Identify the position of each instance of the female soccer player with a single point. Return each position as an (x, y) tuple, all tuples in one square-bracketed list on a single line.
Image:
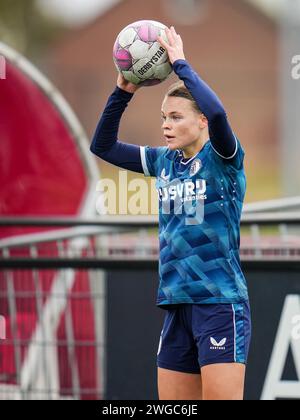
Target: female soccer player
[(201, 182)]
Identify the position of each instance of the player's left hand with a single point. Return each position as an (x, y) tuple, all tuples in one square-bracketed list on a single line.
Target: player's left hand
[(175, 45)]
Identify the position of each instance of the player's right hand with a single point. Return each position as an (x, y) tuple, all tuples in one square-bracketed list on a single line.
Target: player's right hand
[(123, 84)]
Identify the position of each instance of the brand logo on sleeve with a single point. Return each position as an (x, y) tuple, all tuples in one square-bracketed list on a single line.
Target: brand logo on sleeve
[(164, 176)]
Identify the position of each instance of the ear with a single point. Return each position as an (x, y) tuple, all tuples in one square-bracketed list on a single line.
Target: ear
[(203, 121)]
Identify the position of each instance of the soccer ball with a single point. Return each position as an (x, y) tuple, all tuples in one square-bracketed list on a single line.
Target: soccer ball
[(139, 56)]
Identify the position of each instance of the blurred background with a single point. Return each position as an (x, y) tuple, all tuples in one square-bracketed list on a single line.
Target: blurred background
[(236, 46), (54, 282)]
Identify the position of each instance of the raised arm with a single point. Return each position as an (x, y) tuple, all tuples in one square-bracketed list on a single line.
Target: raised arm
[(221, 135), (105, 142)]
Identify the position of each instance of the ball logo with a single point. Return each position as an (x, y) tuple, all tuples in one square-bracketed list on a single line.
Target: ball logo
[(152, 61), (196, 166)]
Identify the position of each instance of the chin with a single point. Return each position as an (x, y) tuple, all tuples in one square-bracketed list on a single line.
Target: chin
[(172, 146)]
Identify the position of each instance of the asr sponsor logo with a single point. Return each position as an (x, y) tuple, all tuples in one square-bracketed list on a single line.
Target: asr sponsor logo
[(178, 197), (188, 190)]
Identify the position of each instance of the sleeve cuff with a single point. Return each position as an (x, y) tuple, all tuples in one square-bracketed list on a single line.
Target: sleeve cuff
[(178, 62), (230, 157), (123, 94), (144, 161)]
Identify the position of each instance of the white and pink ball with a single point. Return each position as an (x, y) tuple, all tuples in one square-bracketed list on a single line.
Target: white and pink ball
[(139, 56)]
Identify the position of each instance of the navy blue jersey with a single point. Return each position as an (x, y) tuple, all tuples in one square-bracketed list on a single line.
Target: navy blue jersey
[(200, 199), (200, 205)]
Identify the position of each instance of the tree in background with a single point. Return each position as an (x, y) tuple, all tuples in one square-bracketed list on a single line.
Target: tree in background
[(26, 28)]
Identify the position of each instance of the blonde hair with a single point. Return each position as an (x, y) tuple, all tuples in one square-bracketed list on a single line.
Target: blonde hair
[(179, 90)]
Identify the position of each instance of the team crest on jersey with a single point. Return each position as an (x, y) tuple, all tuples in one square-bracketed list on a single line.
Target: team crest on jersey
[(195, 167)]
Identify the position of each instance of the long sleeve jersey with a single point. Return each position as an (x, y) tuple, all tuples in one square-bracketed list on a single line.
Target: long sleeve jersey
[(200, 199)]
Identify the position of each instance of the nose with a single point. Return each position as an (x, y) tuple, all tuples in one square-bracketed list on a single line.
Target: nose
[(166, 124)]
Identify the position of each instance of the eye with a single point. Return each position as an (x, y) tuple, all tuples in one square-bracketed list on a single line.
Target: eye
[(174, 117)]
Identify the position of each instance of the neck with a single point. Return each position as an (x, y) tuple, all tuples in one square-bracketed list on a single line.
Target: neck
[(194, 148)]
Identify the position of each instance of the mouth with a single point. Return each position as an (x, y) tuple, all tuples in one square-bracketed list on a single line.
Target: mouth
[(169, 138)]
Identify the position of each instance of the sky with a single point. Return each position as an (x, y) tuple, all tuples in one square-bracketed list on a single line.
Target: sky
[(76, 12)]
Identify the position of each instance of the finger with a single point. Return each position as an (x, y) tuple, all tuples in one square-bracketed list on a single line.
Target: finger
[(162, 42), (173, 31), (169, 41), (170, 36), (180, 39)]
